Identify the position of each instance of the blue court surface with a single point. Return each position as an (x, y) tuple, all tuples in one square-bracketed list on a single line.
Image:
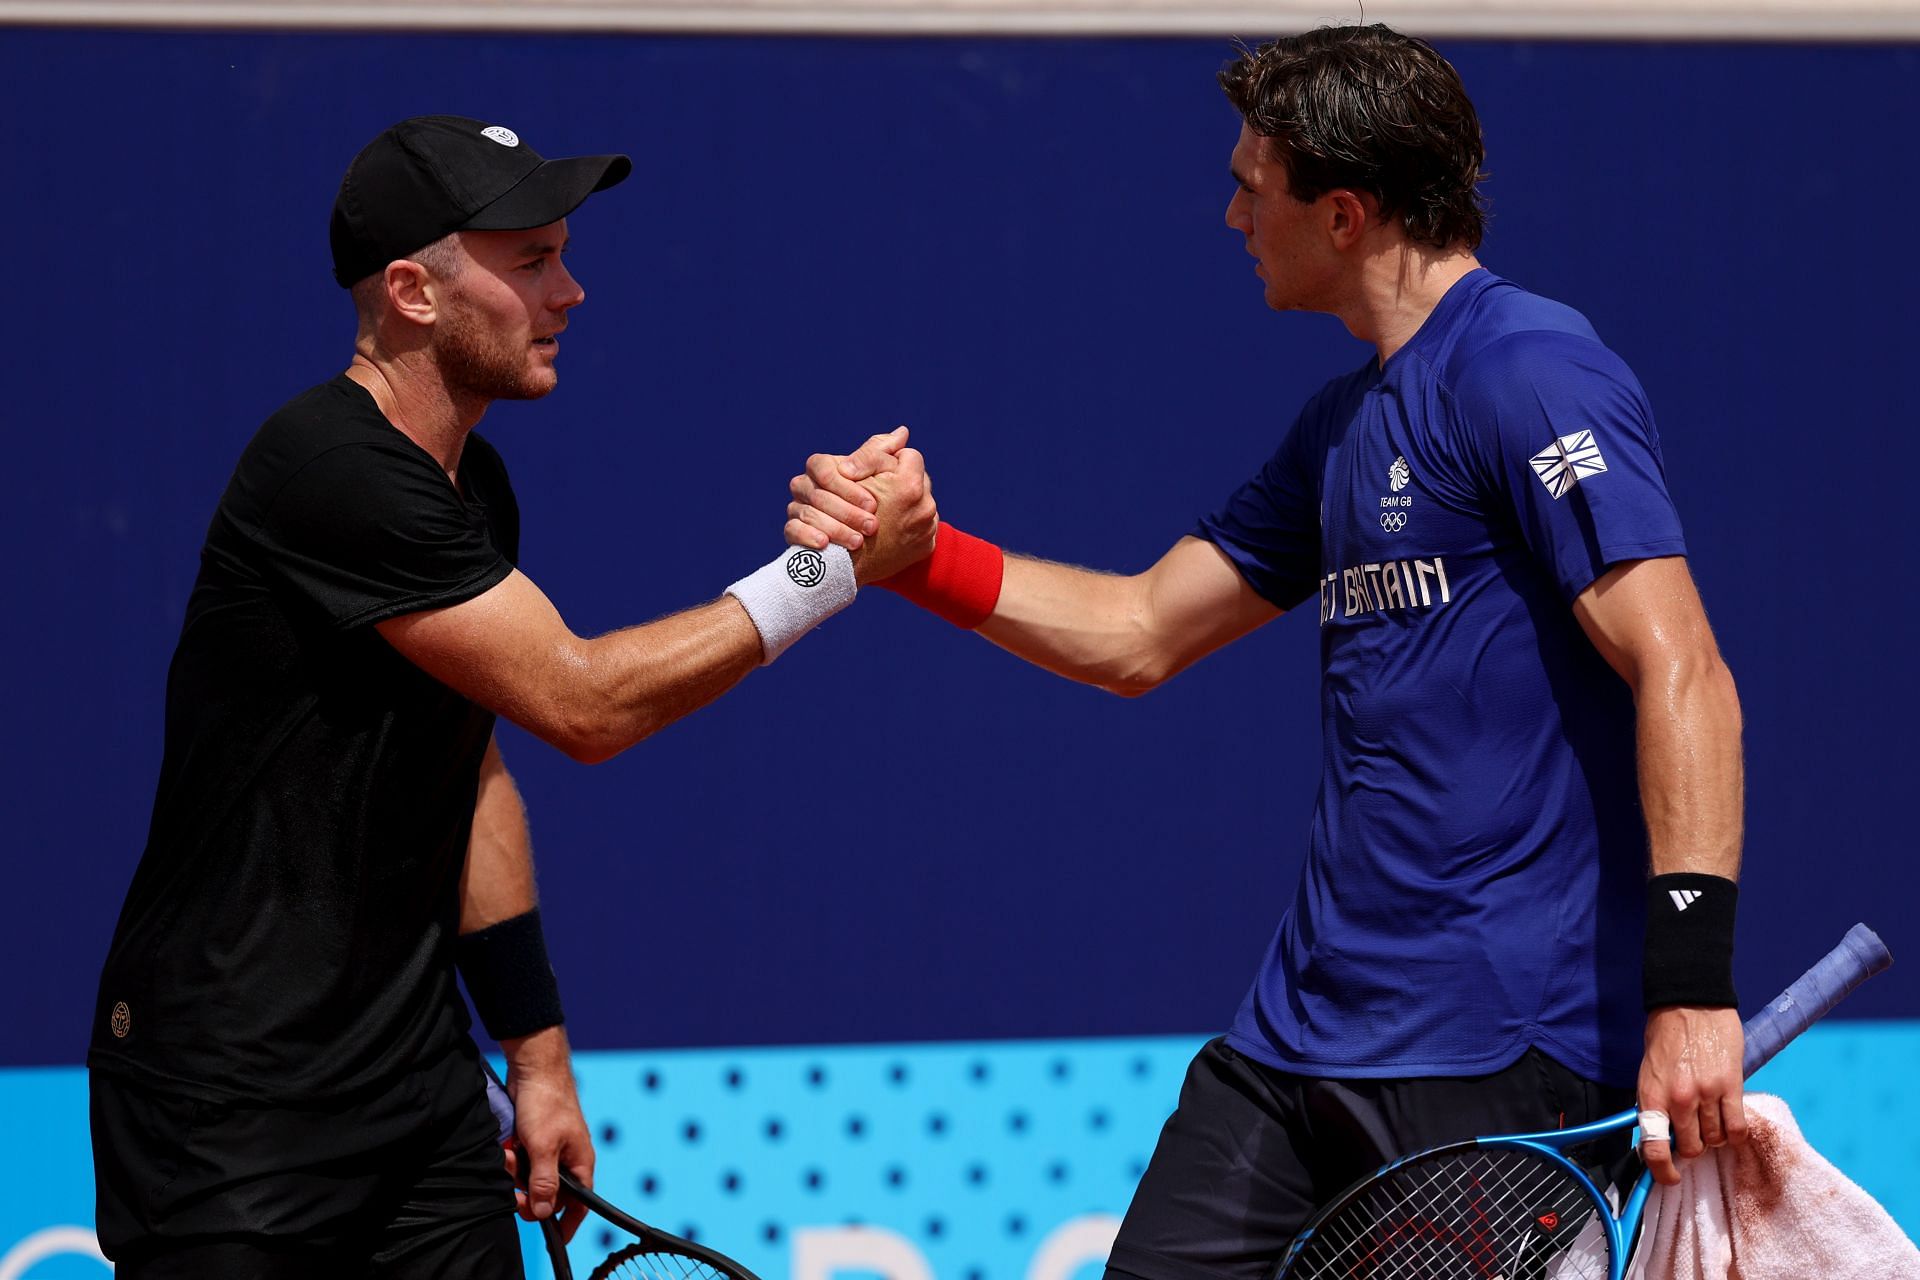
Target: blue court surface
[(966, 1161)]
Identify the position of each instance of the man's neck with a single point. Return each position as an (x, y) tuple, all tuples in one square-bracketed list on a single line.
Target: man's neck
[(1398, 289), (420, 405)]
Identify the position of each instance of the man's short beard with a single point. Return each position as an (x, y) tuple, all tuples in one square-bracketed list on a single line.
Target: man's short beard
[(476, 360)]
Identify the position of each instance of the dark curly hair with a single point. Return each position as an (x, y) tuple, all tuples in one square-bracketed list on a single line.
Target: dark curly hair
[(1368, 108)]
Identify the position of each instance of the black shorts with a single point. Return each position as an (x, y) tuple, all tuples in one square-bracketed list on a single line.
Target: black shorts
[(1251, 1151), (405, 1184)]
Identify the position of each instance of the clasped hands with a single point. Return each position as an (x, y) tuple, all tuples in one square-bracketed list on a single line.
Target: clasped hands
[(877, 502)]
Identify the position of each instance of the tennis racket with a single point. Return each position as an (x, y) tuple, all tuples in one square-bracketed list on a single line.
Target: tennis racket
[(1515, 1207), (654, 1255)]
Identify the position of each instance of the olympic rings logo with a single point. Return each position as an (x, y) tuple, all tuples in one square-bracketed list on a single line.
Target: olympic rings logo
[(1393, 521)]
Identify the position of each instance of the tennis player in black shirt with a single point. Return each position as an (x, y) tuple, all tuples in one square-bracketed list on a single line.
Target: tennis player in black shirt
[(282, 1078)]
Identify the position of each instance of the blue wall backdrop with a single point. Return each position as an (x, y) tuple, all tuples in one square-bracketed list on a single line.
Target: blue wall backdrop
[(898, 833)]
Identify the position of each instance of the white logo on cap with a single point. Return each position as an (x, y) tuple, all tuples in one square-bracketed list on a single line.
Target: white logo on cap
[(501, 134)]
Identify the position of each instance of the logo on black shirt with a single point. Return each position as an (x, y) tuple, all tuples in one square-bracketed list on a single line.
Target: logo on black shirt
[(806, 568), (122, 1020)]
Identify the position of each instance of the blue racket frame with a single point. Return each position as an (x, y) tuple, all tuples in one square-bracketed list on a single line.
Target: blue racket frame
[(1619, 1229)]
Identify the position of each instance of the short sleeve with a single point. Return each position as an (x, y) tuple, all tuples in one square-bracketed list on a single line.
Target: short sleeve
[(1570, 445), (1270, 526), (368, 532)]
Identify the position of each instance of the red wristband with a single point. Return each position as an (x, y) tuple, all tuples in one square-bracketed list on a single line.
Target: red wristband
[(960, 581)]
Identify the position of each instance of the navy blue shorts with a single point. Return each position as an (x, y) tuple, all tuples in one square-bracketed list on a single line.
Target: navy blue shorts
[(1252, 1151), (405, 1184)]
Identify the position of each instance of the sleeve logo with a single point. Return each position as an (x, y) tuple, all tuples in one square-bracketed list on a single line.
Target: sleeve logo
[(1567, 461)]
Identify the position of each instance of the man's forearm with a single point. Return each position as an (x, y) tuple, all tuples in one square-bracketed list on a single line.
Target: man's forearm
[(1078, 623), (502, 951), (1125, 634), (510, 651), (1691, 773), (637, 681), (1691, 791), (497, 882)]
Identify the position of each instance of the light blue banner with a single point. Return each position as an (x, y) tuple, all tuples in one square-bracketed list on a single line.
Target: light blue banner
[(986, 1161)]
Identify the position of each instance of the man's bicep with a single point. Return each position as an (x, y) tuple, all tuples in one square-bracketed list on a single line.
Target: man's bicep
[(1646, 619), (501, 649), (1200, 601), (1643, 612)]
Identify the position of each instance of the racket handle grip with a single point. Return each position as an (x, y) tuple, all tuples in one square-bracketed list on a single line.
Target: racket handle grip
[(1859, 956), (499, 1103)]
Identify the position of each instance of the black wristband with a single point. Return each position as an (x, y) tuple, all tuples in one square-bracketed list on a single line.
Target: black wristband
[(1689, 953), (509, 977)]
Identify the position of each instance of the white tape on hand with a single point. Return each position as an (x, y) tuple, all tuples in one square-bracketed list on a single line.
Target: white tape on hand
[(794, 594), (1655, 1126)]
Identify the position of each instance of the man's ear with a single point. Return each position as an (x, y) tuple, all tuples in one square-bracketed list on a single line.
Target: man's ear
[(412, 291), (1349, 214)]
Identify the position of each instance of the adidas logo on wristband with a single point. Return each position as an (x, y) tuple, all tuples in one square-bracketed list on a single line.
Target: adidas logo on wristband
[(1683, 898)]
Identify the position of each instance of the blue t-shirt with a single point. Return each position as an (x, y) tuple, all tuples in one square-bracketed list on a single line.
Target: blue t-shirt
[(1473, 882)]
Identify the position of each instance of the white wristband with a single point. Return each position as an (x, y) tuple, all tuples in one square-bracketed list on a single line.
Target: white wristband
[(794, 594)]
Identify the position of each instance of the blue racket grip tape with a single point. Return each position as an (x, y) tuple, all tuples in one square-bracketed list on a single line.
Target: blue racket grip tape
[(499, 1103), (1859, 956)]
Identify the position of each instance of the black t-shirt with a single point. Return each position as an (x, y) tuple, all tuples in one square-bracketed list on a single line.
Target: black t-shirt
[(289, 932)]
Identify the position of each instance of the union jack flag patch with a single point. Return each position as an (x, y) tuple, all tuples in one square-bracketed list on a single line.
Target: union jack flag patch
[(1562, 464)]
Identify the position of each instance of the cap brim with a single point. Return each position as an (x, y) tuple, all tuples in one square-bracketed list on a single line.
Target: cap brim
[(550, 193)]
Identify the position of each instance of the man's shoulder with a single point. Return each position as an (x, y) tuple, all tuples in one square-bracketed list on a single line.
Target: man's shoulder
[(1515, 343), (335, 418), (332, 448), (335, 412)]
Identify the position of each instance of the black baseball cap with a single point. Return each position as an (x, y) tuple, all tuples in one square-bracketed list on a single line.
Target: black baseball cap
[(430, 176)]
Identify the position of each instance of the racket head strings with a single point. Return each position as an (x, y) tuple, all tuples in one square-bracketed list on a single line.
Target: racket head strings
[(651, 1262), (1470, 1212)]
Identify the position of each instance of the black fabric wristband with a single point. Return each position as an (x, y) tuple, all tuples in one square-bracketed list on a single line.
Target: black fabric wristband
[(1689, 953), (509, 978)]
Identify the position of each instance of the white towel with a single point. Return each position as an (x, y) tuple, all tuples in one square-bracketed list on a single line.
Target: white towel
[(1773, 1209)]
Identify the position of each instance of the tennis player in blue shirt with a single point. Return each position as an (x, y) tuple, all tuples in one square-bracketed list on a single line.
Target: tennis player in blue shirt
[(1520, 693)]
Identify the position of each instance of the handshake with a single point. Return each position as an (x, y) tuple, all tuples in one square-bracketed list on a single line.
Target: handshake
[(868, 518), (877, 502)]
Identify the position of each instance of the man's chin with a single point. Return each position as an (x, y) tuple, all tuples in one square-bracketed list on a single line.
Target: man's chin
[(534, 388)]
